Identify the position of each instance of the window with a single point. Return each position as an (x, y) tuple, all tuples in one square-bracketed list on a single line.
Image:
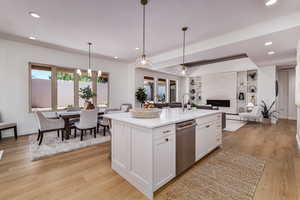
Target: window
[(173, 91), (65, 88), (161, 90), (56, 88), (41, 88), (149, 87), (102, 91), (84, 81)]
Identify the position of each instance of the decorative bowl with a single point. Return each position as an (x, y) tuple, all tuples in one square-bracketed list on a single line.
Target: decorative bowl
[(145, 113)]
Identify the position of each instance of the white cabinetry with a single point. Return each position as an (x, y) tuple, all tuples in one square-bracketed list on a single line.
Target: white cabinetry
[(208, 135), (144, 157), (164, 160)]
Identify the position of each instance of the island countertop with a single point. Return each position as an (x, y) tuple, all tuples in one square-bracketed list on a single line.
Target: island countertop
[(167, 116)]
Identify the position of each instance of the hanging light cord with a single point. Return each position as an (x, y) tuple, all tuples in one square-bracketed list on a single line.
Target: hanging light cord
[(183, 48), (90, 55), (144, 27), (184, 29)]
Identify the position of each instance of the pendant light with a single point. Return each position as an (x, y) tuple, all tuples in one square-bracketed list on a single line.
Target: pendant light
[(89, 69), (142, 60), (184, 68)]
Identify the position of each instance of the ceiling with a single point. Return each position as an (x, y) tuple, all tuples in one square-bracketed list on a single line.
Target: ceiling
[(114, 26), (284, 45)]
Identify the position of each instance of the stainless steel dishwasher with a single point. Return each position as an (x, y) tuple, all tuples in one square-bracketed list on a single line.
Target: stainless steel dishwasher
[(185, 145)]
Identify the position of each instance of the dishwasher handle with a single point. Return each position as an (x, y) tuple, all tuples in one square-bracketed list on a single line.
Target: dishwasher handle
[(184, 127)]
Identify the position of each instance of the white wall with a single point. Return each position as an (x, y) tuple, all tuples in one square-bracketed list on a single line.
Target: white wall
[(292, 108), (221, 86), (297, 99), (14, 58), (139, 80), (266, 85)]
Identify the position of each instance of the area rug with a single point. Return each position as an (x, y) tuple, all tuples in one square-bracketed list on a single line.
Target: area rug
[(1, 153), (234, 125), (53, 145), (227, 175)]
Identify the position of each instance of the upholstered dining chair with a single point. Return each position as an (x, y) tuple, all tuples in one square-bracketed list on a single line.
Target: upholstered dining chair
[(6, 126), (88, 121), (105, 123), (48, 125)]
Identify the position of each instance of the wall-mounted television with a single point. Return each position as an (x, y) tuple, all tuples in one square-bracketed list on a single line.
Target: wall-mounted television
[(218, 103)]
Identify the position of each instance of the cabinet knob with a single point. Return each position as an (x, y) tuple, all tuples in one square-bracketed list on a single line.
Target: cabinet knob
[(207, 126), (167, 139)]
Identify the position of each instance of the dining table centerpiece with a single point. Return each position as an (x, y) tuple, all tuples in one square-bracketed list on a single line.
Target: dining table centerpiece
[(87, 94)]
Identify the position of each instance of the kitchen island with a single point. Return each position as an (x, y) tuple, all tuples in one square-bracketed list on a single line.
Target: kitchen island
[(146, 151)]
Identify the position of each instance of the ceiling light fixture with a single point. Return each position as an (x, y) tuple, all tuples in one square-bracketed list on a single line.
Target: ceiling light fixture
[(142, 60), (270, 2), (137, 48), (271, 52), (34, 15), (268, 43), (184, 68), (32, 38), (116, 57)]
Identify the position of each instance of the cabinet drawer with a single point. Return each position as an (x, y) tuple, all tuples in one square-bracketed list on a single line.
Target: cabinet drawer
[(204, 120), (164, 131)]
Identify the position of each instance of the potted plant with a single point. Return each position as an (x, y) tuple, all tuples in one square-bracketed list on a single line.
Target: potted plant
[(86, 94), (267, 114), (141, 96)]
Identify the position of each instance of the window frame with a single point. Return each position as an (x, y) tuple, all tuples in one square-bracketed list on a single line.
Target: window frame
[(54, 99)]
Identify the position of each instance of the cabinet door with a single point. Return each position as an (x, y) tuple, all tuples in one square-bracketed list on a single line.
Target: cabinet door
[(206, 139), (164, 160), (201, 141)]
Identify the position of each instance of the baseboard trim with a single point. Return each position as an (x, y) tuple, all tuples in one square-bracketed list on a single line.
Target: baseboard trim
[(8, 133), (298, 140), (1, 153)]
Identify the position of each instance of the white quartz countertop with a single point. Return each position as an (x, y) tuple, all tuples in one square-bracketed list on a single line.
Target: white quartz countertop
[(167, 116)]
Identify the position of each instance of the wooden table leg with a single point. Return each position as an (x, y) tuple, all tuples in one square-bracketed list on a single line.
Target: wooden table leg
[(67, 128), (15, 132)]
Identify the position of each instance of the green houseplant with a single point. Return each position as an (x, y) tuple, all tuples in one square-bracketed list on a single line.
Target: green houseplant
[(141, 95), (86, 94)]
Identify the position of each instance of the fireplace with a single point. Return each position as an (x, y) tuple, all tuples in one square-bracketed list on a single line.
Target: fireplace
[(218, 103)]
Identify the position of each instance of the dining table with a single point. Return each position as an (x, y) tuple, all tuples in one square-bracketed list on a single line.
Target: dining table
[(68, 116)]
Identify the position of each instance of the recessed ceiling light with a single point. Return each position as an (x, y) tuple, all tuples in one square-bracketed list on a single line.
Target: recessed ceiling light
[(268, 43), (32, 38), (271, 52), (270, 2), (116, 57), (35, 15), (137, 48)]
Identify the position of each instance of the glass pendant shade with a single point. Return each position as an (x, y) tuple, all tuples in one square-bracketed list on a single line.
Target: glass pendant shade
[(99, 73), (142, 61), (89, 72), (78, 71)]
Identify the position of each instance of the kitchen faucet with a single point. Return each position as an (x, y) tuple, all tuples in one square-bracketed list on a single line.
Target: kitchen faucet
[(182, 100)]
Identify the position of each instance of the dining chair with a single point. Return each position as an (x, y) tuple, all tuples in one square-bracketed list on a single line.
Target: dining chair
[(105, 123), (88, 121), (6, 126), (48, 125)]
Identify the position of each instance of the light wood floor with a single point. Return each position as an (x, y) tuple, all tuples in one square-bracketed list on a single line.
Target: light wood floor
[(85, 174)]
